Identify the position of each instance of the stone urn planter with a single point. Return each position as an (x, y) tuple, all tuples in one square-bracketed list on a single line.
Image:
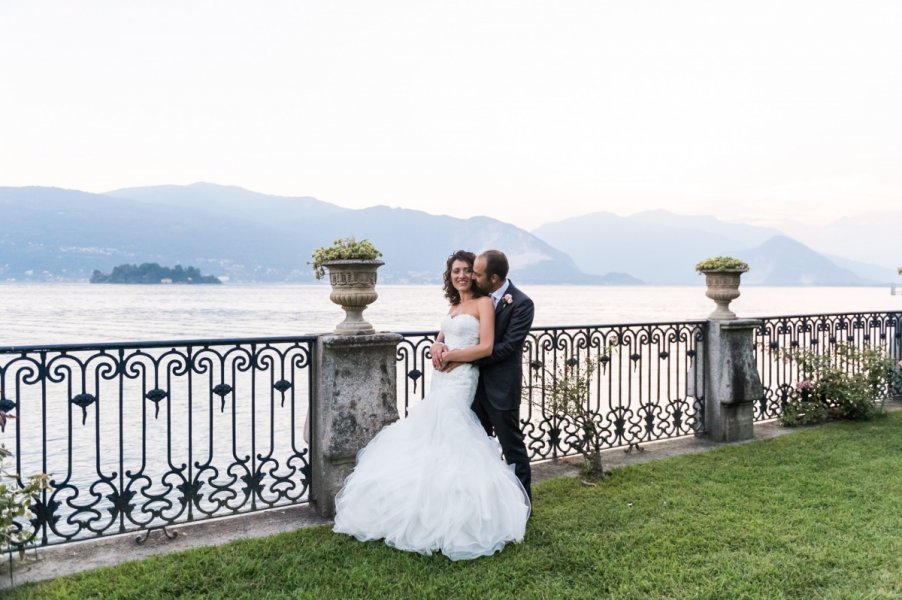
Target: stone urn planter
[(722, 275), (353, 288), (352, 272)]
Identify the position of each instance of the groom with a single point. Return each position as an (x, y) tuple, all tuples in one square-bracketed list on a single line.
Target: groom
[(498, 393)]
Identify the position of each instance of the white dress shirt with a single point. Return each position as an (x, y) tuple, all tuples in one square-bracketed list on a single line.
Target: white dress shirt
[(499, 293)]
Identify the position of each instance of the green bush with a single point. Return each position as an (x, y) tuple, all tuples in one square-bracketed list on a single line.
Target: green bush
[(722, 263), (342, 249), (15, 504), (847, 383)]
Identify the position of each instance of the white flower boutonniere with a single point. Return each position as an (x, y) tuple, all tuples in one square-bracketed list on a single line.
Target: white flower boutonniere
[(507, 298)]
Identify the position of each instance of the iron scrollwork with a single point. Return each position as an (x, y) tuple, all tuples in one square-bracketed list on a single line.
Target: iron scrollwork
[(778, 337), (143, 436), (643, 390)]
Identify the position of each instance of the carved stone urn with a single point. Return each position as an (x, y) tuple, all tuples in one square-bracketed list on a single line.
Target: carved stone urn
[(723, 288), (353, 288)]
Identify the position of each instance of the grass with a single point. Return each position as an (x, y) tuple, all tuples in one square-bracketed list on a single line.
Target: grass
[(816, 514)]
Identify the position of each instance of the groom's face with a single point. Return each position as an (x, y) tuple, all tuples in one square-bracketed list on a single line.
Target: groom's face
[(481, 281)]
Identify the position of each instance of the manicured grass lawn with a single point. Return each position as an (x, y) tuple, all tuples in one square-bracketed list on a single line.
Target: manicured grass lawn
[(815, 514)]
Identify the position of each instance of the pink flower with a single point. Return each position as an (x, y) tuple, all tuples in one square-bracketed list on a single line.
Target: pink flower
[(507, 298), (805, 384)]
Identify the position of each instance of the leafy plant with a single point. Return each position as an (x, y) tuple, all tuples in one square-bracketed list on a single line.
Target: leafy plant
[(15, 503), (847, 383), (342, 249), (722, 263), (565, 398)]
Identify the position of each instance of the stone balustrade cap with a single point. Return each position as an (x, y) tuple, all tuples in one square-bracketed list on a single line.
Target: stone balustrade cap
[(367, 339), (737, 323)]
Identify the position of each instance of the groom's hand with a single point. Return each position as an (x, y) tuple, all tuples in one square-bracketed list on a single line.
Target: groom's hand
[(438, 350), (448, 367)]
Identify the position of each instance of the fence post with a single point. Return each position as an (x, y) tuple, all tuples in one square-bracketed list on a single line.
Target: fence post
[(354, 397), (732, 383)]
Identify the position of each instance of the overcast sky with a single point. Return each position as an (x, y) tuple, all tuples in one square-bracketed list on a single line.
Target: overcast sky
[(528, 111)]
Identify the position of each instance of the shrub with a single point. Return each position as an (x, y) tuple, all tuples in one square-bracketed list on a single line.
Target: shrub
[(722, 263), (15, 504), (565, 392), (847, 383), (342, 249)]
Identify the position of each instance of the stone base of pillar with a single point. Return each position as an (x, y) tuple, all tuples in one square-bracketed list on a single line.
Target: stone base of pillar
[(736, 422), (354, 397), (732, 384)]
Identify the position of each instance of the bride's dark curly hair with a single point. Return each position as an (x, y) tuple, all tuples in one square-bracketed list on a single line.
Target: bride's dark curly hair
[(450, 293)]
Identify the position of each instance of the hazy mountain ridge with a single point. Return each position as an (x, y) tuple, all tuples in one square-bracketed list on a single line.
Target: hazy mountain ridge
[(871, 239), (784, 261), (55, 234), (660, 247)]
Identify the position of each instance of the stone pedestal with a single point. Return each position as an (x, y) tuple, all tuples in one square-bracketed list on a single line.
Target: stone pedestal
[(354, 397), (732, 384)]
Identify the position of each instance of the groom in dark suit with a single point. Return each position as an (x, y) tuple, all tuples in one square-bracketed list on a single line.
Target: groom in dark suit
[(498, 393)]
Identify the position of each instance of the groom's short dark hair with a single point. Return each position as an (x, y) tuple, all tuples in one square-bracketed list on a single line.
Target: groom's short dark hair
[(496, 263)]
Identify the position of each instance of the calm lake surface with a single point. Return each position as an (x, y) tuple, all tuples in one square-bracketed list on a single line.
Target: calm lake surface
[(51, 313), (126, 435)]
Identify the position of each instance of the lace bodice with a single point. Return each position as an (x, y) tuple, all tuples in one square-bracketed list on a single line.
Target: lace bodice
[(460, 331)]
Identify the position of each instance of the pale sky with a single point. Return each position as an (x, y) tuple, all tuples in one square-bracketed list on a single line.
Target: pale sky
[(528, 111)]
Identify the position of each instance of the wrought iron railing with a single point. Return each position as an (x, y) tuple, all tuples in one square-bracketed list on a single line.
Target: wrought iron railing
[(779, 337), (141, 436), (645, 387)]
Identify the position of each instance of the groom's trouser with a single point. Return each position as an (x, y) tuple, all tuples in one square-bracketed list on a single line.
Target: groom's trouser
[(506, 426)]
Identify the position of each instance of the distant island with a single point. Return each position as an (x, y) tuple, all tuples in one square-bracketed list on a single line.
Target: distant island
[(153, 273)]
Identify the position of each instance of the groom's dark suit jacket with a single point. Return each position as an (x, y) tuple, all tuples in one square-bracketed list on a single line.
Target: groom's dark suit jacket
[(502, 372)]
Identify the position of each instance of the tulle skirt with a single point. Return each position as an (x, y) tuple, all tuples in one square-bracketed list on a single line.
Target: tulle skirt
[(435, 481)]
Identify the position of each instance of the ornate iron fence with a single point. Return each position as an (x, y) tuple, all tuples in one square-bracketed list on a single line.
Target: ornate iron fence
[(644, 387), (141, 436), (778, 337)]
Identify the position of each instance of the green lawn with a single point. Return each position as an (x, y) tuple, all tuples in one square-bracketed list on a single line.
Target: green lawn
[(815, 514)]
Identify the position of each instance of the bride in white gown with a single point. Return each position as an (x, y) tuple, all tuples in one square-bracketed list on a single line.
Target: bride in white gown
[(435, 481)]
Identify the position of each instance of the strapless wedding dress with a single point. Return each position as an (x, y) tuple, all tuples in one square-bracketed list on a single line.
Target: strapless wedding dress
[(435, 481)]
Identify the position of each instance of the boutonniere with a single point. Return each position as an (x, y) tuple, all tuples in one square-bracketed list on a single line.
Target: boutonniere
[(507, 299)]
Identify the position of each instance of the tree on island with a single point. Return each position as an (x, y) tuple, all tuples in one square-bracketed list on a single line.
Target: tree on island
[(153, 273)]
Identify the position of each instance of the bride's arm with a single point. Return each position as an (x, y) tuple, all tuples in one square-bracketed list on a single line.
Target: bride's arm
[(486, 336)]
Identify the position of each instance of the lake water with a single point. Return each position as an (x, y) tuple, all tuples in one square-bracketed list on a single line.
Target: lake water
[(82, 312), (125, 435)]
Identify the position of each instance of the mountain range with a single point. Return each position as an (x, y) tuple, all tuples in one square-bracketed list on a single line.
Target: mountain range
[(52, 234), (663, 248)]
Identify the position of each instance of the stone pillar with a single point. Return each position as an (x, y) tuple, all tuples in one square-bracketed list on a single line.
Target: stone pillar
[(354, 397), (732, 384)]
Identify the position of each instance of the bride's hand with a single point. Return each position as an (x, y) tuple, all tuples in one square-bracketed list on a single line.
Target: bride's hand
[(438, 350)]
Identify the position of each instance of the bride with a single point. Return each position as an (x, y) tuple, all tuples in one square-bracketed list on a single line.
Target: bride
[(435, 481)]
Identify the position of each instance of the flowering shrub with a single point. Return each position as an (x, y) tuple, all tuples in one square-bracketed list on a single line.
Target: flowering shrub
[(847, 383)]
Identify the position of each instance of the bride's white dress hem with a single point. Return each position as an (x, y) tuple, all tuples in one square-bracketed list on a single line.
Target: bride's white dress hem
[(435, 482)]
